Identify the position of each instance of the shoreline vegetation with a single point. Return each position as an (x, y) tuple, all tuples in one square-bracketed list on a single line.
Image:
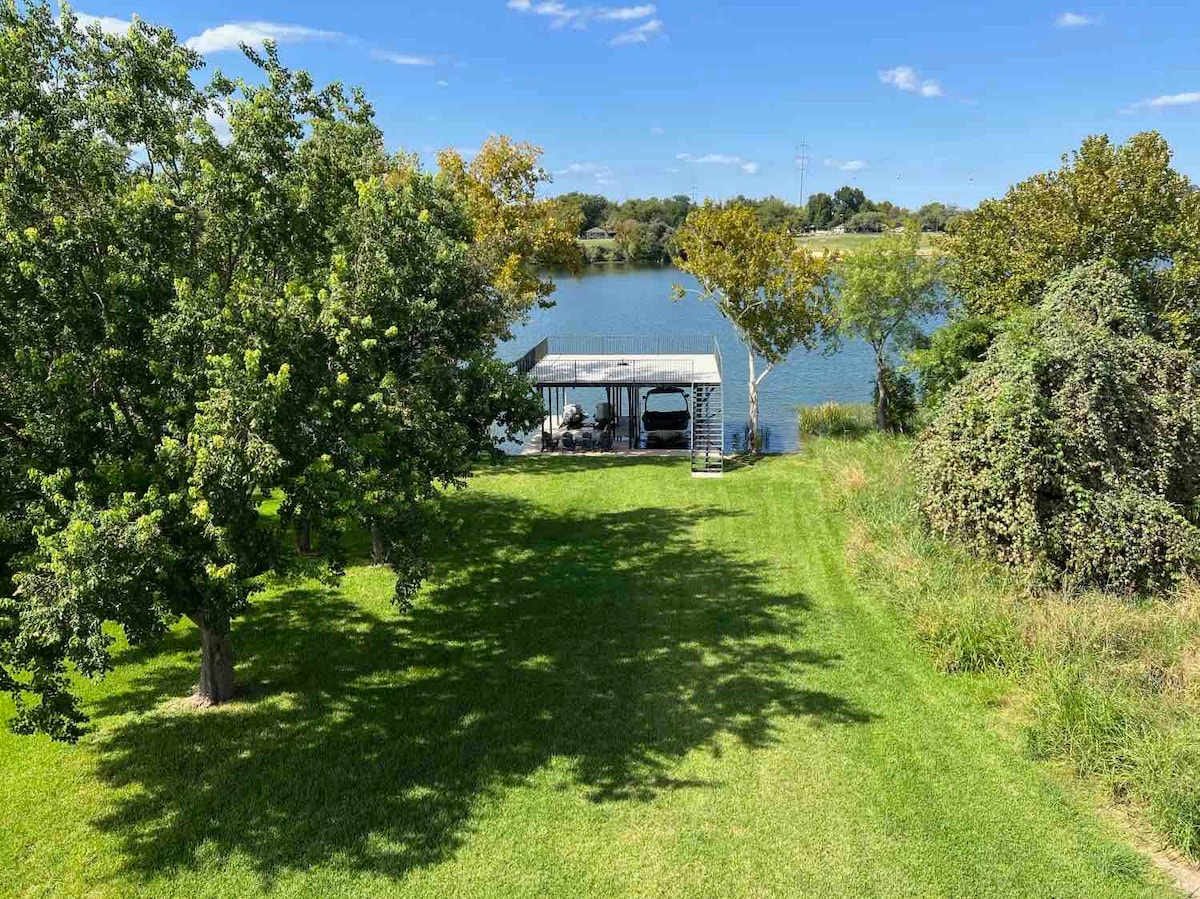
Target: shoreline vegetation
[(606, 251), (643, 229)]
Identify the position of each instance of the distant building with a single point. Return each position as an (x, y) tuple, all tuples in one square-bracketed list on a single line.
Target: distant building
[(597, 234), (840, 229)]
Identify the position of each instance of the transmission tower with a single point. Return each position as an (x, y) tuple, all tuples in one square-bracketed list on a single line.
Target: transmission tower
[(802, 168)]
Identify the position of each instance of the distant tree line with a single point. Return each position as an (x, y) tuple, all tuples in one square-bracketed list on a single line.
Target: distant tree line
[(643, 229)]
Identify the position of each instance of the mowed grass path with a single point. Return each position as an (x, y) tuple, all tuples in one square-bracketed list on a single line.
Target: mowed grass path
[(619, 681)]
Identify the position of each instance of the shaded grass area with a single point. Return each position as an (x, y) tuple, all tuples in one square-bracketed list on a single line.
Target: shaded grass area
[(1107, 684), (618, 680)]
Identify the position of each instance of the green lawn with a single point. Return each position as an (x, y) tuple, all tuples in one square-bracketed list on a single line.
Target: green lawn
[(619, 681), (846, 243)]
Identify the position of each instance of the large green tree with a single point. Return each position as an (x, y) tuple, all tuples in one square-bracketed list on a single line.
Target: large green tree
[(883, 291), (847, 202), (189, 325), (1123, 203), (819, 210), (768, 288), (593, 209)]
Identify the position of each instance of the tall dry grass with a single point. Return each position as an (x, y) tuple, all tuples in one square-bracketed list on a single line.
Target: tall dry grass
[(1111, 683)]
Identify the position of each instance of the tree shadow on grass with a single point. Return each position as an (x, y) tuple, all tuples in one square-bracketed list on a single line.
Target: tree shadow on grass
[(613, 642), (570, 463)]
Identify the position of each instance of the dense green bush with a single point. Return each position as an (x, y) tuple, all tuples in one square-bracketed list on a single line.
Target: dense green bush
[(1074, 447), (942, 360), (901, 408)]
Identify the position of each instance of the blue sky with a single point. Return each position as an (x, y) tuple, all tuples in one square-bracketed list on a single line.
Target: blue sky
[(946, 101)]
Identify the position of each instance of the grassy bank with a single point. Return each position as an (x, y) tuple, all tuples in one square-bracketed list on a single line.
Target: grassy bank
[(822, 242), (1107, 685), (827, 241), (618, 681)]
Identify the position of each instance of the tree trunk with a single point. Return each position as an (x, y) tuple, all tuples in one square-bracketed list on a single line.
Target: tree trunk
[(752, 442), (216, 664), (304, 535), (881, 396), (379, 552)]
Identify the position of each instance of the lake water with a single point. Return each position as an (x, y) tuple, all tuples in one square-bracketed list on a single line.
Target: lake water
[(621, 300)]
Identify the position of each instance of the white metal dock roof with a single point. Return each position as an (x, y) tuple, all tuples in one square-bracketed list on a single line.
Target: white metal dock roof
[(604, 361), (566, 368)]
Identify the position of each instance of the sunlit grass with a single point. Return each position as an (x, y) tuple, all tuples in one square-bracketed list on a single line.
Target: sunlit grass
[(619, 680), (827, 241)]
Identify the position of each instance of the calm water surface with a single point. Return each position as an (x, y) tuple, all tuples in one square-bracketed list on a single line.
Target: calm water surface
[(619, 300)]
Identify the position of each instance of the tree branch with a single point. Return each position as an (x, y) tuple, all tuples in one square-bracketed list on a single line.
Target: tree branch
[(14, 433)]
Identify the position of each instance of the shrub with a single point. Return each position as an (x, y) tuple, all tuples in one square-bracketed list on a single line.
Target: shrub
[(945, 356), (901, 408), (1074, 447), (744, 439), (835, 419)]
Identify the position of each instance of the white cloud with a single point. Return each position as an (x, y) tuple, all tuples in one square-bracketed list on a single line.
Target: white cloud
[(603, 174), (1075, 20), (232, 35), (639, 35), (745, 165), (906, 79), (401, 59), (657, 130), (215, 116), (108, 24), (442, 82), (1166, 101), (627, 13), (846, 165), (585, 168), (562, 15), (1174, 100)]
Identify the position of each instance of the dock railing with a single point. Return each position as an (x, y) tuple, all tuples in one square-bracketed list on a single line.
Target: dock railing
[(526, 363), (621, 345)]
